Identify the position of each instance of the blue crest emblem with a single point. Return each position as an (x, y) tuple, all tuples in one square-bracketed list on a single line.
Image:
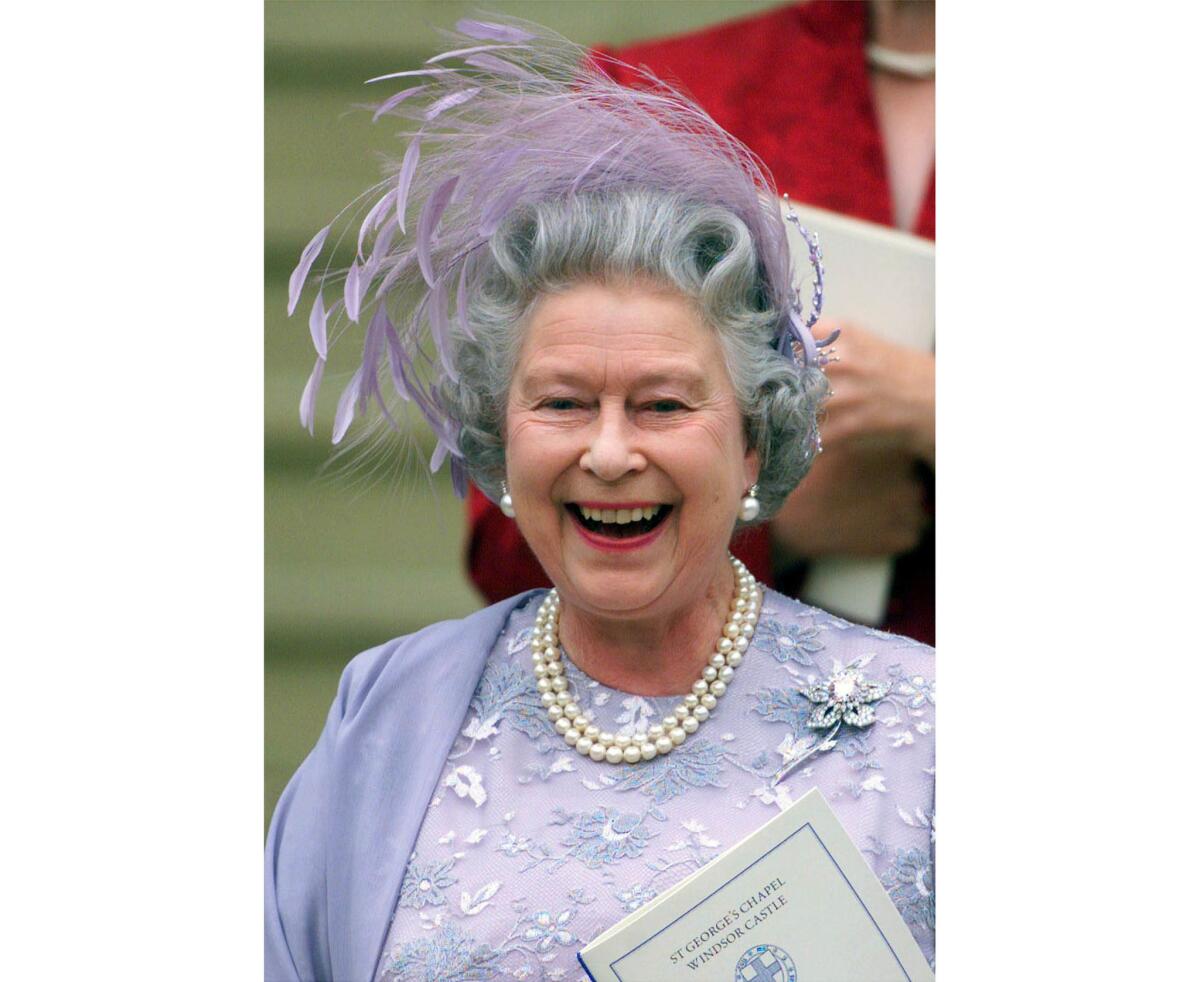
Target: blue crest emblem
[(765, 963)]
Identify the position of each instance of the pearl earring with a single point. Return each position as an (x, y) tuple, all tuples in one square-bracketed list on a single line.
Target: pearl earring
[(750, 507), (506, 504)]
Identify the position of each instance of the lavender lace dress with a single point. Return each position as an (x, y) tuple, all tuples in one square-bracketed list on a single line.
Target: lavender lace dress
[(529, 850)]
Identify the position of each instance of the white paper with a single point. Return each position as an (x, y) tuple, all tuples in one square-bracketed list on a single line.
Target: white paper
[(793, 901), (880, 279)]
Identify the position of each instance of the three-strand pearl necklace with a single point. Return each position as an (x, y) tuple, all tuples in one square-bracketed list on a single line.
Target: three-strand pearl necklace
[(587, 738)]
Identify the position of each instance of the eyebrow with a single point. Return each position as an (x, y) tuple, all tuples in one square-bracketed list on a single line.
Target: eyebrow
[(693, 383)]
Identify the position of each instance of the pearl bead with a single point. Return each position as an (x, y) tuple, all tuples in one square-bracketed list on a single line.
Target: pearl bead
[(660, 738)]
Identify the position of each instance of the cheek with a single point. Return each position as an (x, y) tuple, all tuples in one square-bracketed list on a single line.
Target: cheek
[(711, 452)]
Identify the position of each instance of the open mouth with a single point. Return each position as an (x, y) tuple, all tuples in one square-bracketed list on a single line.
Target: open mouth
[(619, 523)]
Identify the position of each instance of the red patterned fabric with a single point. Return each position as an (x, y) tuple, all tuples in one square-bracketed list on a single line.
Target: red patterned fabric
[(793, 85)]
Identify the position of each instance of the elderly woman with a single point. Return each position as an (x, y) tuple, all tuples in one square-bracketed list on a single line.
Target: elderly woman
[(594, 310)]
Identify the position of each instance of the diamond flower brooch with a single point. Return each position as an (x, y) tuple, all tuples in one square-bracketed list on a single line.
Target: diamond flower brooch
[(845, 697)]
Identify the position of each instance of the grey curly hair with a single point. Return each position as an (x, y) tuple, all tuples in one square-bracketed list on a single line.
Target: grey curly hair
[(702, 250)]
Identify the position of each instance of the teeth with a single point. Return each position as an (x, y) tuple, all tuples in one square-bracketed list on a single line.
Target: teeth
[(622, 516)]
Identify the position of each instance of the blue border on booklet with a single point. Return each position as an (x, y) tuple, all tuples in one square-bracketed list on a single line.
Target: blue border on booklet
[(807, 825)]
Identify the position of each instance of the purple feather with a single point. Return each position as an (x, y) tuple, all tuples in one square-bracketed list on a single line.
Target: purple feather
[(431, 214), (373, 348), (461, 299), (407, 169), (345, 406), (499, 66), (379, 251), (353, 291), (393, 101), (458, 477), (488, 31), (415, 71), (439, 456), (498, 210), (439, 327), (372, 219), (308, 401), (316, 326), (300, 273), (449, 101), (459, 52), (578, 182), (396, 357)]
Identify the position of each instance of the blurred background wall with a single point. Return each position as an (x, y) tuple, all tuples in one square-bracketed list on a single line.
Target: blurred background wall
[(354, 558)]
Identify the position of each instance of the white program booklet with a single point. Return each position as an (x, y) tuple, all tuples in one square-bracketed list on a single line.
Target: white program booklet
[(792, 902), (882, 280)]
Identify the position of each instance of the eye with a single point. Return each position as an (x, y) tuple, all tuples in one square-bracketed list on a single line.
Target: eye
[(560, 404), (665, 406)]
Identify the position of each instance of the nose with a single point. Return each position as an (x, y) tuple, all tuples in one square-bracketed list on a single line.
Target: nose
[(612, 451)]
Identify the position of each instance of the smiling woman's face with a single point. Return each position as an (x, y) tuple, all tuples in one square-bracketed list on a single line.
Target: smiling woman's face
[(621, 404)]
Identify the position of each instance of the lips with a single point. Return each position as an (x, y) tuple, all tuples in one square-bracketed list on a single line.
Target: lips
[(620, 523)]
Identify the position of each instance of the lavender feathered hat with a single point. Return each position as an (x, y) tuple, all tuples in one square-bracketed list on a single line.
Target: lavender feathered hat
[(510, 115)]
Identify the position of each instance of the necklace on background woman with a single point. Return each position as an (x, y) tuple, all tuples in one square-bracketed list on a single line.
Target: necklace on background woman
[(587, 738)]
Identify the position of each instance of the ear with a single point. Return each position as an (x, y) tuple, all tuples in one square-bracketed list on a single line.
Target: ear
[(750, 468)]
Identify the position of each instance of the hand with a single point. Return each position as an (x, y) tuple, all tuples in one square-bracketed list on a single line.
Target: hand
[(857, 500), (883, 395)]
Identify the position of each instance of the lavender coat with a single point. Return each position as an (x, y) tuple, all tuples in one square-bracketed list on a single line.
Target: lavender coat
[(346, 823)]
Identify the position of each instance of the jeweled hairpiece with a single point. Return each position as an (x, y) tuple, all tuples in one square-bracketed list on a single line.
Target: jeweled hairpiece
[(512, 115)]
